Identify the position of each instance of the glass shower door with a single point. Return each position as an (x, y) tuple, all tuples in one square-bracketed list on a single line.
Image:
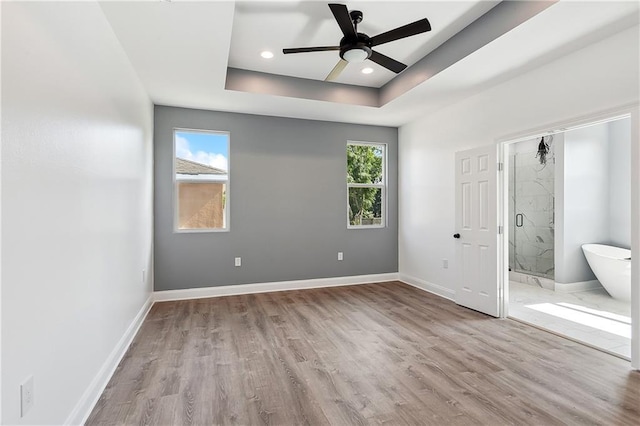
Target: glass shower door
[(532, 215)]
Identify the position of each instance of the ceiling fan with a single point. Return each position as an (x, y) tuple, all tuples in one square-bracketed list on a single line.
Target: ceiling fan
[(357, 47)]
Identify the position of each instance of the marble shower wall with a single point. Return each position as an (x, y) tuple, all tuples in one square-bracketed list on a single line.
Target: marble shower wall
[(531, 194)]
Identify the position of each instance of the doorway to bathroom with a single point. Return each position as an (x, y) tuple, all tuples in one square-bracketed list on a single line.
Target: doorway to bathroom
[(569, 230)]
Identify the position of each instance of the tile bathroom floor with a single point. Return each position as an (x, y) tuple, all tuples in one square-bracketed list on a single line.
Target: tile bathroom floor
[(592, 317)]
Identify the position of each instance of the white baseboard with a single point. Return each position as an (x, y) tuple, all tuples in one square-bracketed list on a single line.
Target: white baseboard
[(234, 290), (430, 287), (577, 286), (87, 402)]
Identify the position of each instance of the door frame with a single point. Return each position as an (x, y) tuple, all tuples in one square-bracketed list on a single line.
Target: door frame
[(629, 110)]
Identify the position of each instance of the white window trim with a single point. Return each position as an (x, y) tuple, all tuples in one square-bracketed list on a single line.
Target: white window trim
[(382, 186), (227, 216)]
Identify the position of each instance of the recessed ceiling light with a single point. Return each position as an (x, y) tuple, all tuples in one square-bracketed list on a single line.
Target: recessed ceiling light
[(367, 70), (266, 54)]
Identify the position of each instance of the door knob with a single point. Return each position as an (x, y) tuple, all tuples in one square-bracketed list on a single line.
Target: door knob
[(456, 235)]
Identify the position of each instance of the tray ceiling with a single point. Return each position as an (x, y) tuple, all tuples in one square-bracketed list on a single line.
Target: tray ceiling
[(272, 26)]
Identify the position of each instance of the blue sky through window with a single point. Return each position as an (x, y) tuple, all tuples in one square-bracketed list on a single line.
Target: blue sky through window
[(211, 149)]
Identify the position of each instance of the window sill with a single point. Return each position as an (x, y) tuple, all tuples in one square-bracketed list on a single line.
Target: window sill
[(199, 231), (366, 226)]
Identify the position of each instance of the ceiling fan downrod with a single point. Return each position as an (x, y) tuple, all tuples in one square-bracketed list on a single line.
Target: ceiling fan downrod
[(356, 18)]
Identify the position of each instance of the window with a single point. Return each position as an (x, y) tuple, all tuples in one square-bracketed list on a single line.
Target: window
[(366, 184), (201, 173)]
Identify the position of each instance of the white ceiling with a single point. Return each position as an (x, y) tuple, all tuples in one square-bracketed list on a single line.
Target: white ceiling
[(181, 51), (272, 26)]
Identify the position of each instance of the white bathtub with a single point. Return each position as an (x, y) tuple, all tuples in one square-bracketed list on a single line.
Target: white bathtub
[(612, 266)]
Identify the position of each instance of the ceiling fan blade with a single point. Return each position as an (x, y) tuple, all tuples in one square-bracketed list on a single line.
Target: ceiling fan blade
[(341, 13), (337, 70), (387, 62), (421, 26), (310, 49)]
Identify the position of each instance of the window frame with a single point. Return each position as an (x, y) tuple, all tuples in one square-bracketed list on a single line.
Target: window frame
[(382, 185), (227, 182)]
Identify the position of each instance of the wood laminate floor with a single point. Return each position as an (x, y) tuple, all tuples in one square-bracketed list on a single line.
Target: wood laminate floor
[(368, 354)]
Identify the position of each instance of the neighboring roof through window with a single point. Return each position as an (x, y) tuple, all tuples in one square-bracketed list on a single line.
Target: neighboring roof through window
[(187, 167)]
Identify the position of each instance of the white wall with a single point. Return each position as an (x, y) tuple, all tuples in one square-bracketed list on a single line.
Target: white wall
[(76, 203), (600, 77), (0, 224), (635, 237)]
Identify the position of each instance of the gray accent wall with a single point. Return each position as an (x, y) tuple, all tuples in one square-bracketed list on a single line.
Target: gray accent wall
[(288, 213)]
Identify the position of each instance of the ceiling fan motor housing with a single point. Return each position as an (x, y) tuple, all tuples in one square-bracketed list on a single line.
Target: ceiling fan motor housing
[(362, 43)]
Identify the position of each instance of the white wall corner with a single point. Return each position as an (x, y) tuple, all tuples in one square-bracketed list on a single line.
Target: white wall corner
[(436, 289), (90, 397), (234, 290)]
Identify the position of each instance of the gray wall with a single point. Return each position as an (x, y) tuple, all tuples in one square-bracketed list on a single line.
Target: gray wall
[(287, 199), (594, 196), (585, 199), (620, 183)]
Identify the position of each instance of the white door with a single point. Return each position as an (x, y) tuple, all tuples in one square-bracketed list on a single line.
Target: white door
[(476, 233)]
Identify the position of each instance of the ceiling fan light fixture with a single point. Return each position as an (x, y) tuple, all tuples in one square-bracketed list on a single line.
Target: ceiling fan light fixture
[(367, 70), (266, 54), (357, 54)]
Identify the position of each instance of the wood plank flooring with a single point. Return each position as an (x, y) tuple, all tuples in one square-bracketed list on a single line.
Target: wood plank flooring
[(369, 354)]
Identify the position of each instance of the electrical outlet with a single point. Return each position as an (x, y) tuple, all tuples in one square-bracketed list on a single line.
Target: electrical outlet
[(238, 261), (445, 263), (340, 256), (26, 396)]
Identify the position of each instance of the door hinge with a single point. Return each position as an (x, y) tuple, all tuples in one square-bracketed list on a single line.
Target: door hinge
[(500, 166), (500, 229)]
